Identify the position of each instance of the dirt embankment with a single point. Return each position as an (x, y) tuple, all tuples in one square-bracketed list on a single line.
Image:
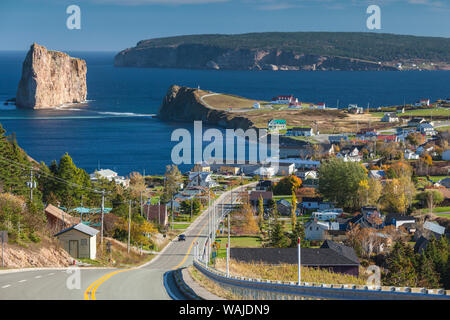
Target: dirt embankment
[(47, 253)]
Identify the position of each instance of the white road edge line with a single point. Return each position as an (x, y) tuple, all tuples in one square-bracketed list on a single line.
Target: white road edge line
[(37, 277), (8, 285), (22, 280), (50, 274)]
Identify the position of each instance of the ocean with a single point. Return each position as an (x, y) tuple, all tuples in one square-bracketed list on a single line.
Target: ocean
[(117, 130)]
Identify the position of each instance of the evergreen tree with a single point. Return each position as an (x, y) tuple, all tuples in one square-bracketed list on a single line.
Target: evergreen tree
[(428, 277), (277, 237), (298, 232), (401, 266)]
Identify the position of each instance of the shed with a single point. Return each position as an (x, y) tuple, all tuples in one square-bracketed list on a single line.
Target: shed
[(80, 241)]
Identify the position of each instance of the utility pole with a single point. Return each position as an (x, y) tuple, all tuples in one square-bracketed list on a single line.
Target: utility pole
[(103, 211), (192, 202), (31, 184), (171, 208), (299, 262), (129, 226), (228, 246), (159, 212), (142, 206)]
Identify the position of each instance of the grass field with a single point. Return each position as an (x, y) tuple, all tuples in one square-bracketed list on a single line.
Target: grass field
[(447, 216), (442, 129), (443, 112), (436, 210), (237, 242), (181, 226), (287, 272), (225, 101)]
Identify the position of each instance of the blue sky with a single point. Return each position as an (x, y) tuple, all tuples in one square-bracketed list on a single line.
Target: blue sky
[(112, 25)]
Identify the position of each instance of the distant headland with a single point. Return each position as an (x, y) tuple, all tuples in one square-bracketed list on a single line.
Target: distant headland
[(315, 51)]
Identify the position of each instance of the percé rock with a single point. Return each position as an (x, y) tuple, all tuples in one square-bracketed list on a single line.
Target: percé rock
[(50, 79), (183, 104)]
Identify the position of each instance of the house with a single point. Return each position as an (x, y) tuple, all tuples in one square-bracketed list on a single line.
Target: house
[(426, 129), (156, 213), (337, 138), (377, 174), (285, 100), (387, 137), (276, 124), (423, 102), (309, 174), (285, 169), (333, 257), (315, 230), (315, 203), (256, 195), (256, 105), (264, 172), (110, 176), (398, 220), (58, 220), (299, 131), (409, 155), (201, 167), (353, 108), (321, 105), (446, 155), (415, 122), (445, 182), (229, 170), (79, 240), (433, 228), (284, 208), (264, 185), (390, 117), (203, 179), (325, 215), (350, 154)]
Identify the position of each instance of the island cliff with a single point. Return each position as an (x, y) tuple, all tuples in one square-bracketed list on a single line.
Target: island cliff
[(315, 51), (184, 104), (50, 79)]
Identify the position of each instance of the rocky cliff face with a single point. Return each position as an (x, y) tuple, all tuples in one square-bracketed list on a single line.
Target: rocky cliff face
[(199, 56), (50, 79), (183, 104)]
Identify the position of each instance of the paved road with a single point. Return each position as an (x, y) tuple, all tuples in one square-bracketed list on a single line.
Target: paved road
[(153, 280)]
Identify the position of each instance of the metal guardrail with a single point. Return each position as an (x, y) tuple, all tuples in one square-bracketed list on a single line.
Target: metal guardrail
[(273, 289)]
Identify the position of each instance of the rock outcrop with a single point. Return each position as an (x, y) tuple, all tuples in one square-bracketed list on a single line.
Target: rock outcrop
[(50, 79), (183, 104)]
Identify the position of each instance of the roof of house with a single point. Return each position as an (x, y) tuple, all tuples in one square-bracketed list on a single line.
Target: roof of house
[(433, 226), (312, 199), (309, 256), (398, 217), (377, 174), (445, 182), (61, 215), (266, 195), (300, 129), (277, 121), (348, 252), (82, 228)]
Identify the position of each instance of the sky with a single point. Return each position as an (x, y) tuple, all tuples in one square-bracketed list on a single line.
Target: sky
[(113, 25)]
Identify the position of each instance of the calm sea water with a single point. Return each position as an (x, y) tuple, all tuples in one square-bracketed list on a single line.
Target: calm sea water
[(116, 128)]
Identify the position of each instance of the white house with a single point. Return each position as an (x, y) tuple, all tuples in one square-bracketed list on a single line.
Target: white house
[(276, 124), (285, 100), (80, 241), (349, 155), (266, 172), (256, 105), (314, 230), (110, 176), (203, 179), (321, 105), (390, 117), (325, 215), (446, 155), (426, 129), (353, 108), (298, 131), (409, 155)]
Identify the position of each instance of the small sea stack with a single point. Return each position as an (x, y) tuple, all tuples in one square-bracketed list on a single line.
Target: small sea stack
[(51, 79)]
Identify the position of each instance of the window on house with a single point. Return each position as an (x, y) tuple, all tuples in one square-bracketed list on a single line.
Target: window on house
[(83, 242)]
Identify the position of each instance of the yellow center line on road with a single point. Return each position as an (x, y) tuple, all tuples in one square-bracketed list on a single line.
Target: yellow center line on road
[(94, 286), (190, 248)]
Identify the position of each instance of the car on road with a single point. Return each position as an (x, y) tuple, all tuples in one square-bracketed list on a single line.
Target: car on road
[(181, 237)]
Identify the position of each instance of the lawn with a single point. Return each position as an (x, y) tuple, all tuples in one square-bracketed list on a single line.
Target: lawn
[(447, 216), (436, 210), (442, 129), (444, 112), (237, 242), (288, 198), (181, 226)]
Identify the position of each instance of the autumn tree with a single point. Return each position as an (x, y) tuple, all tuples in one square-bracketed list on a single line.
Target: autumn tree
[(173, 179), (398, 194), (249, 223), (339, 181), (287, 185), (431, 197)]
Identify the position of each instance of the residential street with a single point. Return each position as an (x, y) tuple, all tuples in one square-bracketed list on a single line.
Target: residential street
[(152, 280)]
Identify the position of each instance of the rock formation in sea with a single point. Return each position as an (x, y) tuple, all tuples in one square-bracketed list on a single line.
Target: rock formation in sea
[(50, 79)]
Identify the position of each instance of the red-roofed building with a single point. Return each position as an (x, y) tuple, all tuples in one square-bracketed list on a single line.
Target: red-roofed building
[(388, 137), (285, 100)]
